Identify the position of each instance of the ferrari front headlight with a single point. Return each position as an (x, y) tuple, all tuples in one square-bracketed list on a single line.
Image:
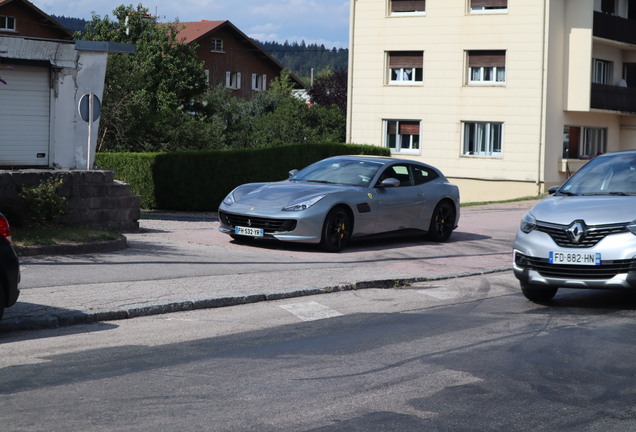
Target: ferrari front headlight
[(229, 199), (303, 205)]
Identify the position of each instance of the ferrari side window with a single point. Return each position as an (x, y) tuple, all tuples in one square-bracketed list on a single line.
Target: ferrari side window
[(401, 172), (421, 175)]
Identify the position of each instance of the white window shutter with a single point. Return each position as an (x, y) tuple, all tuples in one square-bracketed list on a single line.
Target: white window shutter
[(254, 82), (264, 81), (238, 80), (228, 79)]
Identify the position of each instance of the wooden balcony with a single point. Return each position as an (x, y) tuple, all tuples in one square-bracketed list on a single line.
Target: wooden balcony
[(613, 98), (614, 28)]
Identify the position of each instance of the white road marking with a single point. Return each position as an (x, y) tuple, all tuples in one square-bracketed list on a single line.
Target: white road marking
[(311, 311), (440, 293)]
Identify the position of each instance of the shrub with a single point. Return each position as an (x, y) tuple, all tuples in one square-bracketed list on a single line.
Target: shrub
[(42, 205), (198, 181)]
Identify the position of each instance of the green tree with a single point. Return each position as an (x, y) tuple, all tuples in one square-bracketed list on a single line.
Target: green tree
[(330, 89), (280, 118), (151, 98), (157, 98)]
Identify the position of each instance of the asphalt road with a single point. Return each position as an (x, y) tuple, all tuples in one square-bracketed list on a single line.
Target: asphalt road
[(463, 354)]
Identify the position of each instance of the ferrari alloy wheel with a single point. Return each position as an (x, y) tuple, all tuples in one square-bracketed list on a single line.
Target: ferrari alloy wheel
[(336, 230), (442, 222)]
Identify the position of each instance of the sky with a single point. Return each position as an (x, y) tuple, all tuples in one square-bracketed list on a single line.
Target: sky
[(314, 21)]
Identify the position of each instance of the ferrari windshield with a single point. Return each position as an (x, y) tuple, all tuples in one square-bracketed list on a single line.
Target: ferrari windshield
[(610, 174), (340, 171)]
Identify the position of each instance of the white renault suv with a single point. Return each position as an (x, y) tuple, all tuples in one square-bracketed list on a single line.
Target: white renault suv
[(584, 234)]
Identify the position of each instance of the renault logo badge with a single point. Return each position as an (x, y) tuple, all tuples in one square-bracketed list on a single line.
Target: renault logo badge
[(576, 231)]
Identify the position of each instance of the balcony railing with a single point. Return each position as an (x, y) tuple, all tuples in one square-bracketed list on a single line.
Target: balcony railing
[(614, 28), (613, 98)]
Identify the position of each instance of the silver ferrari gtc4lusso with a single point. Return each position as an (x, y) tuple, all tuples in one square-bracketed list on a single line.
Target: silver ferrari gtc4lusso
[(584, 234), (344, 197)]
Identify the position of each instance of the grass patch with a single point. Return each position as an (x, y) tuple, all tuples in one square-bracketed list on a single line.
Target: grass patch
[(503, 201), (60, 235)]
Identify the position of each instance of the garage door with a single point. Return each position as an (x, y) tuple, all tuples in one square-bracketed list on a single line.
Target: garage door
[(24, 116)]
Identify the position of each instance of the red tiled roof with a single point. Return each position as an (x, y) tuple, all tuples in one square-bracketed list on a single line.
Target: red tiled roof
[(191, 31)]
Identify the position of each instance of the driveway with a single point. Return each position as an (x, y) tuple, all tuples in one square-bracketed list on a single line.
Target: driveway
[(181, 262)]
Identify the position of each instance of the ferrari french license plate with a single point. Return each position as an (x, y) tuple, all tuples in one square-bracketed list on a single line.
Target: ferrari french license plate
[(248, 231), (575, 258)]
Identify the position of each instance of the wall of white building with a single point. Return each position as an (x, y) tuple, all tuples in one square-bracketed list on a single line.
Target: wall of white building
[(444, 100), (549, 48), (72, 73)]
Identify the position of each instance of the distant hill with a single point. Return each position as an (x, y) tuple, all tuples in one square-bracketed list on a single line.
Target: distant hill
[(299, 58), (71, 24)]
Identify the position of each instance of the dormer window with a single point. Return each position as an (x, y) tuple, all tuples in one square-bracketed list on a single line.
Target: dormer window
[(7, 23), (217, 45)]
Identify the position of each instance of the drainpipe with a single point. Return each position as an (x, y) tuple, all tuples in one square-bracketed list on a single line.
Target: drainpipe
[(352, 20), (542, 108)]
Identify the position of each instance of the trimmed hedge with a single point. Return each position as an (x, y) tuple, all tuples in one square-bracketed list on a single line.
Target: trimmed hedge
[(198, 181)]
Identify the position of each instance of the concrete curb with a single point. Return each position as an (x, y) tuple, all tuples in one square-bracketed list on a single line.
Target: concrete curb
[(74, 248), (69, 318)]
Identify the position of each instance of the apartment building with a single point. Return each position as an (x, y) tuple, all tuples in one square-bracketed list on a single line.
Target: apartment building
[(507, 97)]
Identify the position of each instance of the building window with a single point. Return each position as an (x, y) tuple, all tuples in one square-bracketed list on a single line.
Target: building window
[(7, 23), (483, 139), (488, 5), (608, 6), (217, 45), (399, 7), (602, 73), (403, 136), (259, 82), (486, 67), (233, 80), (583, 142), (405, 67)]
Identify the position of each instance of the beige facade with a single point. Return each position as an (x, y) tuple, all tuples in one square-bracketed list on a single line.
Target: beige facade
[(505, 97)]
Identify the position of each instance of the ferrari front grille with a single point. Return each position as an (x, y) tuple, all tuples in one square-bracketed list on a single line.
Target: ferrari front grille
[(269, 225)]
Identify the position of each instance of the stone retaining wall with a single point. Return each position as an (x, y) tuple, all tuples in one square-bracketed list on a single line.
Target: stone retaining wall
[(94, 198)]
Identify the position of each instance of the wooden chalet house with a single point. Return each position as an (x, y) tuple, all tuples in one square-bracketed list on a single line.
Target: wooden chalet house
[(22, 18), (231, 58)]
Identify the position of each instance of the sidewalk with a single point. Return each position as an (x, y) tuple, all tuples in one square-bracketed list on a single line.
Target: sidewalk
[(480, 245)]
